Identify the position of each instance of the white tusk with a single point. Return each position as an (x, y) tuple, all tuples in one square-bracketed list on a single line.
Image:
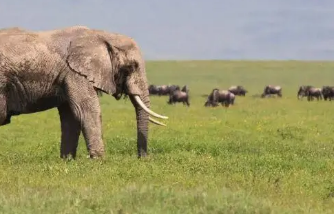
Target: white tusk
[(156, 122), (137, 98)]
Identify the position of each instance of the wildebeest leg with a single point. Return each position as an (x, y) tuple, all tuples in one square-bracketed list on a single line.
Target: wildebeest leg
[(187, 101), (169, 100), (3, 111), (227, 104), (70, 131)]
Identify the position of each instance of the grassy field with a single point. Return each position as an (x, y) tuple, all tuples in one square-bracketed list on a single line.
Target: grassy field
[(272, 155)]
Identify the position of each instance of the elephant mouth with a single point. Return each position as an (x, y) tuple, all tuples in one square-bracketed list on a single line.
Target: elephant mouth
[(117, 96)]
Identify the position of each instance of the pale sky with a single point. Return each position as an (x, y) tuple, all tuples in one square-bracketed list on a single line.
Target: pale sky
[(194, 29)]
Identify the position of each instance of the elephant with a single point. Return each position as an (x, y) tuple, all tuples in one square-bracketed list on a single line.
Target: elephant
[(302, 91), (271, 89), (312, 92), (328, 92), (66, 69), (238, 90), (217, 96), (179, 96)]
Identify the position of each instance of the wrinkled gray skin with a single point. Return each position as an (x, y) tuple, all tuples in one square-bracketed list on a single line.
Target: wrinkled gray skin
[(217, 96), (66, 69), (272, 90)]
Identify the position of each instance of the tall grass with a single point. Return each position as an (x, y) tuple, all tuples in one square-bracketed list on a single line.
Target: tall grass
[(270, 155)]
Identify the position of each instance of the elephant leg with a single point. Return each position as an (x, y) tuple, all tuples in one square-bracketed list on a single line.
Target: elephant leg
[(85, 105), (3, 111), (70, 131)]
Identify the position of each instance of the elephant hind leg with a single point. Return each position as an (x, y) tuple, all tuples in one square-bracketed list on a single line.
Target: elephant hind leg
[(70, 131)]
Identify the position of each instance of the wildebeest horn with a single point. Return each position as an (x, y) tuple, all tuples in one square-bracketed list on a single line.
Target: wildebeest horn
[(141, 104)]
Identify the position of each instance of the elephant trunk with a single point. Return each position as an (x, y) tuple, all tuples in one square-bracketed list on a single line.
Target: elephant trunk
[(142, 118), (139, 96)]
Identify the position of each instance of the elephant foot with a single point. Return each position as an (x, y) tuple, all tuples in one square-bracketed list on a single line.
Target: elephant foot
[(6, 121), (96, 154)]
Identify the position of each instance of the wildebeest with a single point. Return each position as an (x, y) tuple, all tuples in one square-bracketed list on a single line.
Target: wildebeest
[(217, 96), (179, 96), (185, 88), (302, 91), (312, 92), (162, 89), (271, 90), (153, 89), (328, 92), (238, 90)]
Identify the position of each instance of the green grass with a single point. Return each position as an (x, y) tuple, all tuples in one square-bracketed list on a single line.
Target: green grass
[(272, 155)]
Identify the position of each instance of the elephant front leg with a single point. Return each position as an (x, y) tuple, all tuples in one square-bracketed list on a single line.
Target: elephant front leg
[(88, 112), (92, 128), (70, 132), (85, 106), (4, 119)]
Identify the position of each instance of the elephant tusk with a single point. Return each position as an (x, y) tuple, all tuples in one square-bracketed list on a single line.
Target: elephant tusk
[(138, 100), (156, 122)]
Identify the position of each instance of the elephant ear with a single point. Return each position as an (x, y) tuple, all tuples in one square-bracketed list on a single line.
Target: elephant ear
[(94, 58)]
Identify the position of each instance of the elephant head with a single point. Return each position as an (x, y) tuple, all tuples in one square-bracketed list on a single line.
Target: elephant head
[(114, 64)]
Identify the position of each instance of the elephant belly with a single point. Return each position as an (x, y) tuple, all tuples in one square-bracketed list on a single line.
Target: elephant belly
[(34, 101), (42, 104)]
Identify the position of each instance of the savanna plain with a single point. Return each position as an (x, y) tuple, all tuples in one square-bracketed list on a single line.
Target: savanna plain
[(272, 155)]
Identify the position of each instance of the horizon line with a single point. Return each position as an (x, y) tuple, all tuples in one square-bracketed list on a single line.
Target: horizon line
[(239, 60)]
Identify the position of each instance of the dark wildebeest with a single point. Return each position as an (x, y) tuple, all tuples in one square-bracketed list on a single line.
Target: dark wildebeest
[(153, 89), (185, 89), (173, 88), (302, 91), (328, 92), (313, 92), (217, 96), (179, 96), (271, 90), (238, 90), (168, 89)]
